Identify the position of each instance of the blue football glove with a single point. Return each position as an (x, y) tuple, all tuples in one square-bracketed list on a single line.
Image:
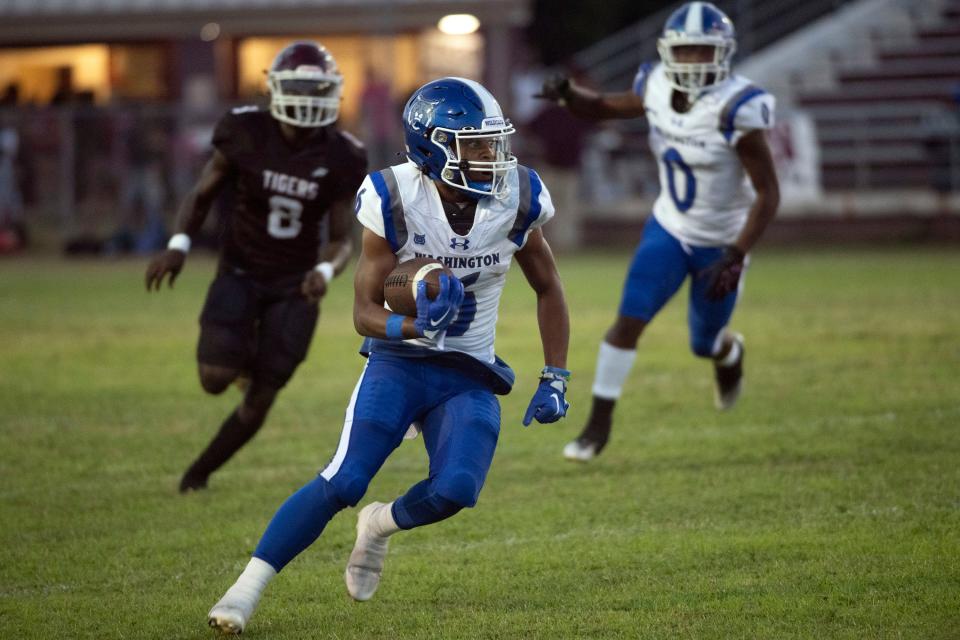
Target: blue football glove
[(434, 316), (549, 403)]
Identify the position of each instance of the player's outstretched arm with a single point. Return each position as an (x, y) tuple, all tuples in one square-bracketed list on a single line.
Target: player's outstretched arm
[(370, 317), (590, 104), (536, 259), (335, 254), (190, 217)]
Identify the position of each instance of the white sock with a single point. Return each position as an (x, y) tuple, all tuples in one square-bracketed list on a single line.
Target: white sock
[(613, 367), (381, 521), (732, 356), (252, 582)]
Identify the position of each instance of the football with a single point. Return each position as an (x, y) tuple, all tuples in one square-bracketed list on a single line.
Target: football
[(400, 287)]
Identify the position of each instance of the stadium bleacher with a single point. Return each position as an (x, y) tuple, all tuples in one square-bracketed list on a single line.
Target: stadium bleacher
[(612, 62), (894, 123)]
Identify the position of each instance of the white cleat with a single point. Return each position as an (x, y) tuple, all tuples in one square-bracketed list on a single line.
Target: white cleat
[(365, 565), (581, 450), (226, 619), (232, 613)]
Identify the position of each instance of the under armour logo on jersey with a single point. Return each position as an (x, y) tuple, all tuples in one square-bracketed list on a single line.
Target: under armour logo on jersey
[(319, 172), (456, 243), (419, 238)]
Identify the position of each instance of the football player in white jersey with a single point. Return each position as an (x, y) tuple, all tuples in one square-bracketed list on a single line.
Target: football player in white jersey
[(462, 199), (718, 192)]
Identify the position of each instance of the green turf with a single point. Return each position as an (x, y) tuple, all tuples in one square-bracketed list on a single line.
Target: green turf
[(825, 505)]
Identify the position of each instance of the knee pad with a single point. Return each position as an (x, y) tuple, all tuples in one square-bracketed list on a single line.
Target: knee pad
[(460, 487), (350, 487), (216, 383), (324, 491), (353, 478)]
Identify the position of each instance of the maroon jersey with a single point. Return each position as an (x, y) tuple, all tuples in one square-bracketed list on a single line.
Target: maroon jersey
[(283, 192)]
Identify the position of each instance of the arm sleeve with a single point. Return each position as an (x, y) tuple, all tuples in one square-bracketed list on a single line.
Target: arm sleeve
[(750, 109)]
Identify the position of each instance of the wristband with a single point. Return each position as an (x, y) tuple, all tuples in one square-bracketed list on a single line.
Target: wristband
[(395, 326), (179, 242), (325, 269), (554, 373)]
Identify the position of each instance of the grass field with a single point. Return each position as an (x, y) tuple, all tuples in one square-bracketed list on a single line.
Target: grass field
[(826, 505)]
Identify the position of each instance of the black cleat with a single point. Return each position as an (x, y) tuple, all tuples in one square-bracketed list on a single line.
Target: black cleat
[(190, 482), (728, 380), (588, 444)]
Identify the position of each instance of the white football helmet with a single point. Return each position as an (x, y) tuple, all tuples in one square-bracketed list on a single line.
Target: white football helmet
[(697, 24), (305, 86)]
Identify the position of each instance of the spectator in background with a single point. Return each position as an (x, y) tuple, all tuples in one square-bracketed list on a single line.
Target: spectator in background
[(378, 114), (939, 143), (11, 96), (561, 136), (144, 189), (64, 93), (13, 234)]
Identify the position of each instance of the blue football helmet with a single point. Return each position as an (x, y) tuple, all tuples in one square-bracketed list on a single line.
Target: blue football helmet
[(455, 132), (697, 24)]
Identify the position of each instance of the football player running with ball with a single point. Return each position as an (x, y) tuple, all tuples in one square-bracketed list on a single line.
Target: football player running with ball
[(294, 176), (718, 192), (461, 198)]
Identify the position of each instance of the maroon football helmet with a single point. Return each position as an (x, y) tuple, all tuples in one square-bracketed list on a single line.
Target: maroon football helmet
[(305, 85)]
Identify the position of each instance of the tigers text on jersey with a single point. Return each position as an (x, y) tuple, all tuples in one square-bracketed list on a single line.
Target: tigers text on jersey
[(403, 206), (704, 192), (283, 192)]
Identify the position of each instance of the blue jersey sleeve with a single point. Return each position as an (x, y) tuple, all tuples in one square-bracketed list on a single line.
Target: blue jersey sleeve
[(535, 207), (749, 109), (640, 80)]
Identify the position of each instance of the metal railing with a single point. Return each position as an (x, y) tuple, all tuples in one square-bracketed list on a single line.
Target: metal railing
[(112, 173)]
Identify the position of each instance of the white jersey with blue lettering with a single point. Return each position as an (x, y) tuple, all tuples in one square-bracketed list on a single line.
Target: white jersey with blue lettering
[(402, 205), (705, 193)]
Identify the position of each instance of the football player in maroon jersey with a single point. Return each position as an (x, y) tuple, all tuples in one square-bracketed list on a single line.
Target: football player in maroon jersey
[(295, 174)]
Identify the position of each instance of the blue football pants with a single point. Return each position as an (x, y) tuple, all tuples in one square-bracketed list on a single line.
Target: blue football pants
[(460, 422), (660, 265)]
